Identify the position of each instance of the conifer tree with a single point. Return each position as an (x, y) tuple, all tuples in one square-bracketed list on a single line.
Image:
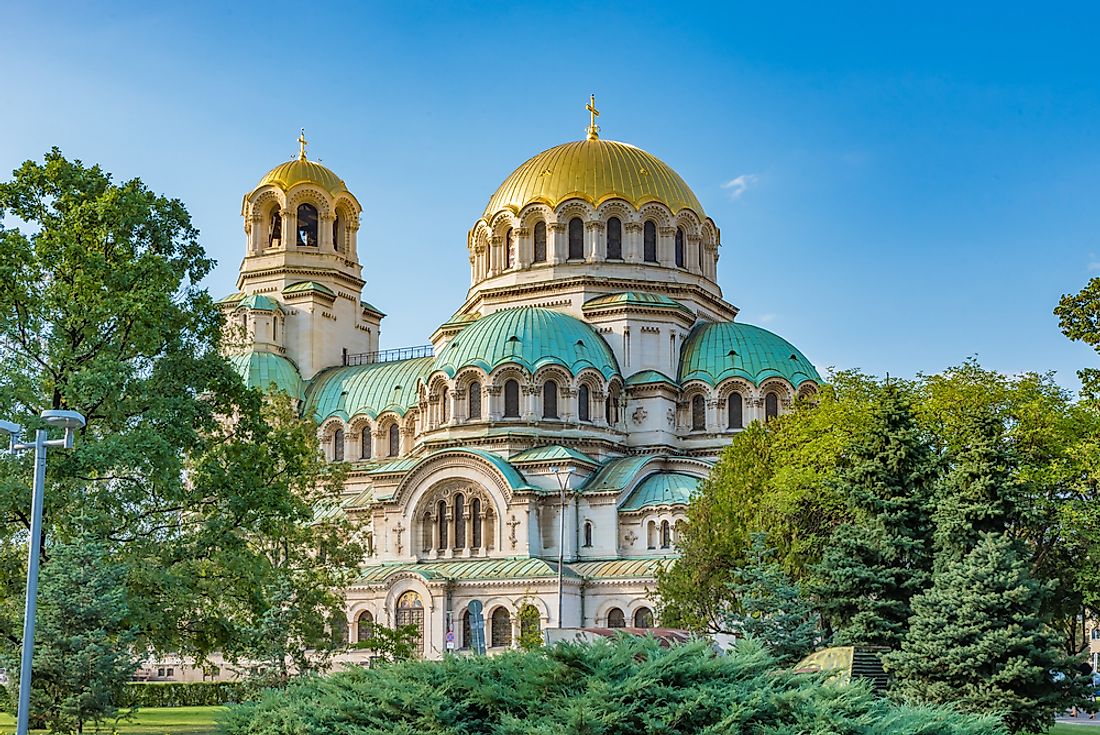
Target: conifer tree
[(978, 640), (771, 608), (875, 564)]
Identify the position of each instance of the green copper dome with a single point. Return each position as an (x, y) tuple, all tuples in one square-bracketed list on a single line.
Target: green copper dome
[(665, 488), (367, 389), (714, 352), (530, 337), (266, 369)]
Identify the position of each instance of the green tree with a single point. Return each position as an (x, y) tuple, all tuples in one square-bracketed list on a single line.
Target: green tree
[(770, 607), (978, 640), (85, 644), (1079, 318), (391, 645), (877, 562)]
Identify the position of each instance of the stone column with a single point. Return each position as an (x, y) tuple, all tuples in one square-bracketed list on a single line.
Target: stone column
[(495, 255), (632, 242), (595, 246), (694, 259), (530, 394), (495, 408), (665, 243), (556, 243), (324, 236), (524, 247), (288, 238)]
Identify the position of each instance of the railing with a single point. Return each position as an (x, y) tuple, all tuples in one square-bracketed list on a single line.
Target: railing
[(401, 353)]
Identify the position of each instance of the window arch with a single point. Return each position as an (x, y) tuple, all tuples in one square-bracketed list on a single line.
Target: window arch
[(643, 618), (363, 625), (588, 533), (467, 630), (649, 242), (666, 535), (651, 535), (584, 409), (576, 239), (410, 611), (460, 521), (474, 392), (307, 225), (616, 618), (444, 407), (735, 407), (501, 628), (550, 400), (394, 440), (540, 243), (698, 413), (275, 227), (614, 239), (508, 249), (364, 443), (679, 247), (511, 399), (475, 524), (426, 532), (337, 234), (338, 445), (441, 524), (530, 623), (771, 405)]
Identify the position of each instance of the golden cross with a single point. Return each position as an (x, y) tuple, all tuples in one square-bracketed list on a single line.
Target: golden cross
[(302, 145), (593, 128)]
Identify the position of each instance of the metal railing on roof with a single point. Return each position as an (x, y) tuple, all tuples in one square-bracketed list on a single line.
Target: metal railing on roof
[(400, 353)]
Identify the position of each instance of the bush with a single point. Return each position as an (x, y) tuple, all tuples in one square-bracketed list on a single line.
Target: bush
[(185, 694), (621, 687)]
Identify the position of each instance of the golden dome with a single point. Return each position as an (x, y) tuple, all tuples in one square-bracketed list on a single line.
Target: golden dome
[(301, 171), (594, 170)]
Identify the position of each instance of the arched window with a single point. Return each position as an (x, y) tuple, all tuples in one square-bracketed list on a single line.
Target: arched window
[(501, 633), (612, 406), (643, 618), (475, 524), (508, 249), (426, 532), (651, 535), (395, 440), (649, 242), (700, 249), (475, 400), (588, 533), (275, 228), (445, 405), (583, 408), (364, 443), (698, 413), (338, 445), (615, 618), (550, 400), (540, 243), (337, 243), (460, 521), (467, 631), (307, 225), (441, 524), (576, 239), (275, 329), (614, 239), (530, 624), (666, 535), (511, 399), (363, 626), (735, 405), (410, 611), (679, 247), (771, 406)]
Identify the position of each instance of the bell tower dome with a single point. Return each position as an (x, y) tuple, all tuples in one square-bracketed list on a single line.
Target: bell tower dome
[(301, 224)]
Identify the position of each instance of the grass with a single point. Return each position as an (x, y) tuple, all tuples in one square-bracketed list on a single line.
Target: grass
[(1072, 730), (153, 721)]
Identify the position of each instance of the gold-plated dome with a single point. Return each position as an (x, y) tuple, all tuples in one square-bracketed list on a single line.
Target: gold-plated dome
[(290, 174), (594, 170)]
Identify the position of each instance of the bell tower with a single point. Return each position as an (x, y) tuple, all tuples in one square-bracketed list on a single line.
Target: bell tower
[(301, 227)]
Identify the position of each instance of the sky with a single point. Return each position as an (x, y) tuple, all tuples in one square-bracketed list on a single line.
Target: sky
[(899, 186)]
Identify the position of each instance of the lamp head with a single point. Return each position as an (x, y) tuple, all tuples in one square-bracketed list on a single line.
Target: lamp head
[(11, 429), (68, 420)]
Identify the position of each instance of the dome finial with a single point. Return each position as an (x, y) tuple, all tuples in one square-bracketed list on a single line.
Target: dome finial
[(302, 145), (593, 128)]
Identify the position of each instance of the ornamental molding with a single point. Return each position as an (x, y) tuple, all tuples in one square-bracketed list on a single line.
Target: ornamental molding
[(639, 416)]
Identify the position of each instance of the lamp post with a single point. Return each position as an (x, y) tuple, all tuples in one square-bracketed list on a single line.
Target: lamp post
[(563, 474), (70, 421)]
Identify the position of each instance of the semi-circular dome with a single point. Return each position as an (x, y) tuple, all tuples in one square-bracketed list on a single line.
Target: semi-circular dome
[(714, 352), (530, 337), (302, 171), (265, 370), (593, 170)]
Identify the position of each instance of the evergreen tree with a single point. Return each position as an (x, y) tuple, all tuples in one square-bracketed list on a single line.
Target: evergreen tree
[(875, 564), (978, 640), (771, 608)]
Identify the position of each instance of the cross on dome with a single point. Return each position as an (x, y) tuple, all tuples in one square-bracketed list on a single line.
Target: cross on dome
[(302, 142), (593, 128)]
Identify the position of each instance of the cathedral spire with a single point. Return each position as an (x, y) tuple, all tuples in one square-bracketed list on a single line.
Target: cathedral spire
[(302, 142), (593, 128)]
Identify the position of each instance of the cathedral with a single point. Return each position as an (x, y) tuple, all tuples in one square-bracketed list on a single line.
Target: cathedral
[(529, 468)]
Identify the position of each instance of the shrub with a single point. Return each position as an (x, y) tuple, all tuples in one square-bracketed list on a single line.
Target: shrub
[(620, 687), (185, 694)]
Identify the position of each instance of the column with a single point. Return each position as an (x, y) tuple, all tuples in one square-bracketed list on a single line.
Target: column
[(494, 408), (324, 237), (665, 243), (595, 247), (556, 243), (288, 237), (435, 532), (632, 242), (694, 245), (524, 247), (530, 394), (495, 255), (469, 522)]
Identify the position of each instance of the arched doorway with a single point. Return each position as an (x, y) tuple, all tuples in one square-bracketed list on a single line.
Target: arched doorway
[(410, 611)]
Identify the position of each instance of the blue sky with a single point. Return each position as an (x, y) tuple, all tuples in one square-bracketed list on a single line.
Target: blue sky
[(917, 182)]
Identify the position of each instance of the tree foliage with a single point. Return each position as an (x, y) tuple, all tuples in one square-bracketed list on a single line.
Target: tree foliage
[(620, 687)]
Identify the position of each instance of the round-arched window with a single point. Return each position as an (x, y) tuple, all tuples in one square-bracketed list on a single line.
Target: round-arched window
[(643, 618), (501, 628), (649, 241), (511, 399), (550, 400), (698, 413), (410, 611), (508, 249), (338, 445), (395, 440), (539, 256), (614, 239), (771, 406), (584, 408), (307, 225), (363, 625), (736, 406), (616, 618), (576, 239), (474, 392), (679, 247)]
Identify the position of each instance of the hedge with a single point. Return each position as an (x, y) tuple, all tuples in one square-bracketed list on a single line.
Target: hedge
[(185, 694)]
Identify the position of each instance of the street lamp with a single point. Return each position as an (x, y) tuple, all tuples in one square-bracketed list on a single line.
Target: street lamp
[(70, 421), (563, 474)]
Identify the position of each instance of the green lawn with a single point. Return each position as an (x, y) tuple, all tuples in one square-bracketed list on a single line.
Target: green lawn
[(1072, 730), (154, 721)]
